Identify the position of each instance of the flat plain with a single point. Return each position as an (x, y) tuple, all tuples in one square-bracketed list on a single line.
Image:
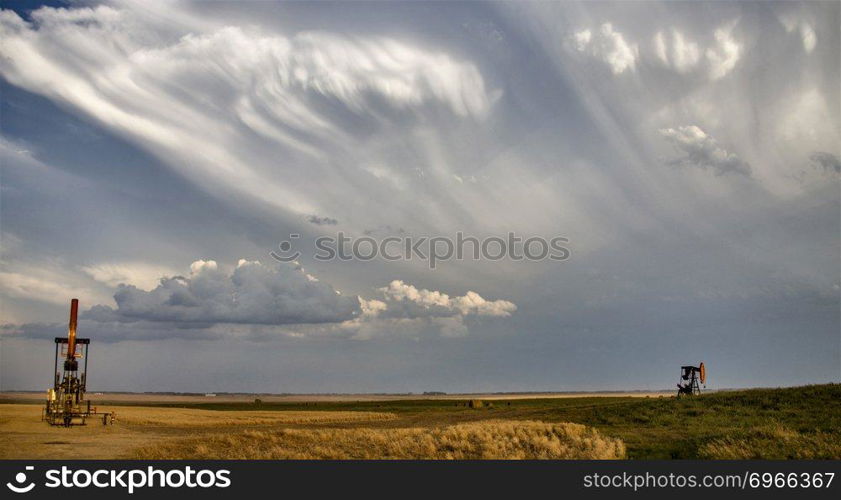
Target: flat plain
[(789, 423)]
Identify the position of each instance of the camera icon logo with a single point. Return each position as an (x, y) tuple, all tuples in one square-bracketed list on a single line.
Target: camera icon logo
[(20, 478), (285, 251)]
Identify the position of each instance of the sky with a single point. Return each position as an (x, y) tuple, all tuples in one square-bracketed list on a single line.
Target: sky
[(154, 156)]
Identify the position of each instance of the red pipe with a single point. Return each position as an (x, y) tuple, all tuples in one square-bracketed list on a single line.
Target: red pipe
[(71, 334)]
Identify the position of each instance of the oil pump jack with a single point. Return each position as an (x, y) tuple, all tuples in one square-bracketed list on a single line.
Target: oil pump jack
[(66, 404), (690, 375)]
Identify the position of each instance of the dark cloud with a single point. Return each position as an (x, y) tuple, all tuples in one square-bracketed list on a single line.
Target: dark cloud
[(322, 221), (251, 294), (827, 161)]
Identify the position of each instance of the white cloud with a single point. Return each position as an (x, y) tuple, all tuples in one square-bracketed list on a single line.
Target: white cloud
[(676, 51), (211, 101), (582, 39), (703, 151), (407, 310), (671, 48), (807, 33), (406, 300), (723, 56), (372, 308), (609, 46), (210, 265)]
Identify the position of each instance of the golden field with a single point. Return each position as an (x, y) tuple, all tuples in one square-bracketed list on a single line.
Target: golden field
[(174, 433), (187, 417), (491, 439)]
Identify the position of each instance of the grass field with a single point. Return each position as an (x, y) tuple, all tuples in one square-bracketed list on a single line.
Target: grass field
[(488, 439), (791, 423)]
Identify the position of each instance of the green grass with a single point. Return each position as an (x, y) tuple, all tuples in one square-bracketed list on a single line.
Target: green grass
[(800, 422)]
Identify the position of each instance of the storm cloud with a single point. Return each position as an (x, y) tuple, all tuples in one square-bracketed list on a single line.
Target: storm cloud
[(251, 294), (259, 302), (689, 153)]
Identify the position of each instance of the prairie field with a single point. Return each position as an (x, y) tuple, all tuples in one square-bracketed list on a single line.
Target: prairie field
[(192, 417), (490, 439), (790, 423)]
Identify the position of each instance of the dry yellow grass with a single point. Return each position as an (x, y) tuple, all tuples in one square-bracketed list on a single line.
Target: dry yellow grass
[(493, 439), (24, 436), (188, 417)]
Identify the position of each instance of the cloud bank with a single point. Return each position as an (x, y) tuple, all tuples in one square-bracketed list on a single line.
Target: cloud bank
[(253, 299), (251, 294)]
